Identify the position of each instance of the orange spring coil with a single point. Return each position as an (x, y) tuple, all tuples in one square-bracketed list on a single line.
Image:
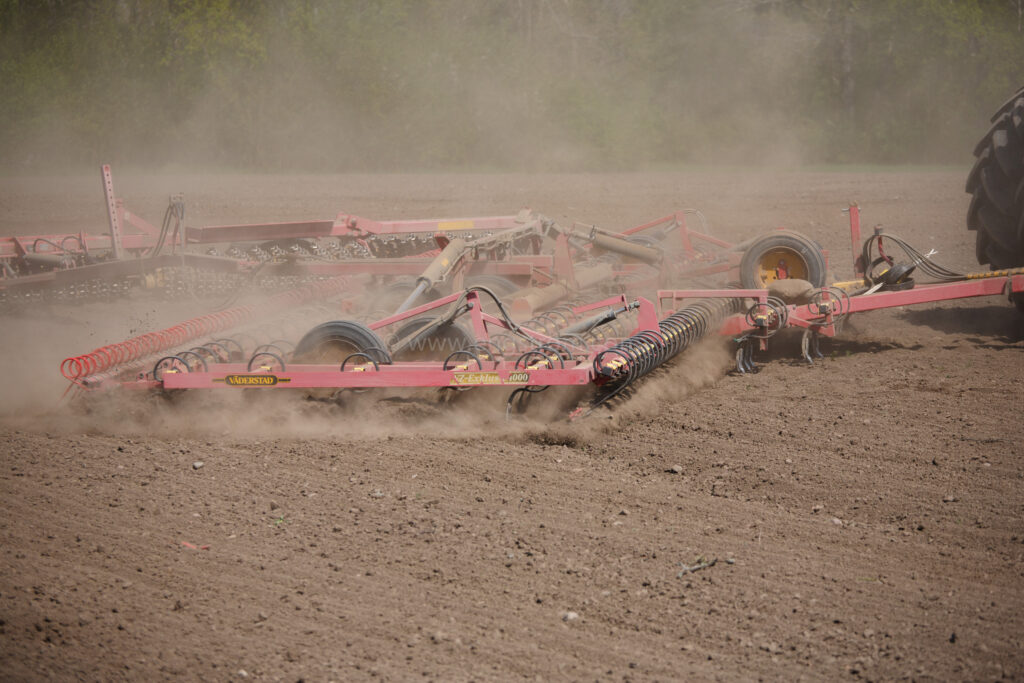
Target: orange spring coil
[(112, 355)]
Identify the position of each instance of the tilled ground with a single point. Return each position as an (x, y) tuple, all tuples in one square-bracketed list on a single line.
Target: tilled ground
[(863, 516)]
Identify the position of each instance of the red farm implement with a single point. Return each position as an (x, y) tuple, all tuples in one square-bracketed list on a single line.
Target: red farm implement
[(514, 302), (416, 259)]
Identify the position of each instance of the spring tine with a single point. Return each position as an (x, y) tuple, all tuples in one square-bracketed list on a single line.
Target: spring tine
[(805, 342), (740, 366), (520, 406), (751, 365), (152, 343), (817, 345)]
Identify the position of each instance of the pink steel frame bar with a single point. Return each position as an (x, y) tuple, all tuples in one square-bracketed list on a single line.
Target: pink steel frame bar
[(345, 225), (547, 370), (808, 317), (811, 317)]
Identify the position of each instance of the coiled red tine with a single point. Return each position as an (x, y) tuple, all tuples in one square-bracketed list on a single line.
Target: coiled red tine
[(110, 356)]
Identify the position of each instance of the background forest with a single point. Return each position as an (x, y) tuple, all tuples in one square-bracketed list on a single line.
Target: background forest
[(335, 85)]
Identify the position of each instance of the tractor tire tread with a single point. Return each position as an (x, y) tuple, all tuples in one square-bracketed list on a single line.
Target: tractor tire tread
[(996, 185)]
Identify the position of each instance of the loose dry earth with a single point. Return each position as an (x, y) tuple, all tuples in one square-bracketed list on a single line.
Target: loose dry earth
[(866, 513)]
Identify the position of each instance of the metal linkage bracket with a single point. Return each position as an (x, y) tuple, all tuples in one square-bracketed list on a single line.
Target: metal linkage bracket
[(810, 345), (113, 216), (745, 355)]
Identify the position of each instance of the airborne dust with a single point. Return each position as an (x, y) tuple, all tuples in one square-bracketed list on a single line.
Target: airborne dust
[(533, 85), (862, 511)]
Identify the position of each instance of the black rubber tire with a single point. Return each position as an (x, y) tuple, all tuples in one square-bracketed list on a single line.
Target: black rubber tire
[(996, 186), (501, 286), (437, 346), (333, 341), (802, 246), (646, 241), (394, 294)]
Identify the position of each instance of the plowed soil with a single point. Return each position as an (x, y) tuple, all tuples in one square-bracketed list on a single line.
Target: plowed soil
[(859, 518)]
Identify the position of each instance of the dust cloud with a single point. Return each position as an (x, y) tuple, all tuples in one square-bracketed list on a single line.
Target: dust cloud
[(532, 85), (37, 338), (33, 400)]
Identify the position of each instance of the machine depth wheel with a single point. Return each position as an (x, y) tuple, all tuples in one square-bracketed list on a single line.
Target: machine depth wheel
[(780, 255), (501, 286), (392, 295), (434, 346), (333, 341)]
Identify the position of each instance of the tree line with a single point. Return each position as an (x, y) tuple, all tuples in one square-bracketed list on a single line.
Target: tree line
[(364, 85)]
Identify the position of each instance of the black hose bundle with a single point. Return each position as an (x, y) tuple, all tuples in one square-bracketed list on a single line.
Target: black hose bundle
[(918, 260), (175, 214)]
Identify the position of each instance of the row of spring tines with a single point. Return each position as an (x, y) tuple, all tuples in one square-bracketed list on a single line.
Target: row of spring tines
[(641, 353), (265, 342)]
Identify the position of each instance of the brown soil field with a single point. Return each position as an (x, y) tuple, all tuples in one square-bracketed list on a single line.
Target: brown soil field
[(866, 513)]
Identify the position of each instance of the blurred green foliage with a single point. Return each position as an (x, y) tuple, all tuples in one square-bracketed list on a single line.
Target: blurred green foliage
[(533, 84)]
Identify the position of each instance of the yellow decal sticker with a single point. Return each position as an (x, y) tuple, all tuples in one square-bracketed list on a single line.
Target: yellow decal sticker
[(477, 378), (253, 380), (455, 225)]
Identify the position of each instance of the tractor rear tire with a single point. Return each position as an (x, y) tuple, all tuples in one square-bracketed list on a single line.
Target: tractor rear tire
[(996, 185)]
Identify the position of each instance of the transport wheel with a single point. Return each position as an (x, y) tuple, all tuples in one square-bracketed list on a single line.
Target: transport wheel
[(333, 341), (996, 185), (435, 346), (645, 240), (782, 255), (394, 294), (501, 286)]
